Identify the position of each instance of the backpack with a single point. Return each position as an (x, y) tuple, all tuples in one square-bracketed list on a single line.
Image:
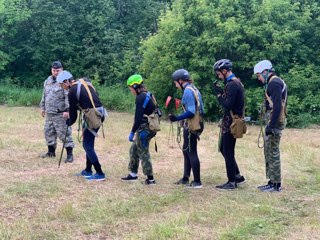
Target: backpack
[(194, 122), (155, 116), (94, 116)]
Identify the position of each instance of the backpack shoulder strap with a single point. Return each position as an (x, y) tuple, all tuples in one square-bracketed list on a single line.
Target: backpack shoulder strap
[(84, 83), (195, 93), (146, 100)]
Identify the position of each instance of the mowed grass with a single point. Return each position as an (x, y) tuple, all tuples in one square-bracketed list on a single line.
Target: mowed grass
[(40, 201)]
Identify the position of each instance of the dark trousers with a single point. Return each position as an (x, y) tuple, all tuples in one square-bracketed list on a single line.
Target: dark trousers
[(88, 145), (228, 143), (190, 154)]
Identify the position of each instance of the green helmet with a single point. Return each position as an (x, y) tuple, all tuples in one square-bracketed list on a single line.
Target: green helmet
[(134, 79)]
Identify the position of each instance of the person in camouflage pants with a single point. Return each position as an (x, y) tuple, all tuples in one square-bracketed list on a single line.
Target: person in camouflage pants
[(276, 101), (140, 134), (55, 108), (140, 149)]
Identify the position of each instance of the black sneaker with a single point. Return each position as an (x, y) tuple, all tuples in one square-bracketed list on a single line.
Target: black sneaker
[(150, 182), (194, 184), (241, 180), (265, 186), (129, 178), (227, 186), (182, 182)]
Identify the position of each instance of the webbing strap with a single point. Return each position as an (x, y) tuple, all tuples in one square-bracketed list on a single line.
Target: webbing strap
[(282, 91), (237, 81), (146, 100), (84, 83)]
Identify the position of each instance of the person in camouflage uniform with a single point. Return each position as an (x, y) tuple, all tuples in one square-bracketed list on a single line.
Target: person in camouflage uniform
[(55, 108), (140, 134), (276, 101)]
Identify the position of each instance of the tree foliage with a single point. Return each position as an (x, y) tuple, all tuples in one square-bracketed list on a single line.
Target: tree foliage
[(96, 38), (108, 40), (196, 33)]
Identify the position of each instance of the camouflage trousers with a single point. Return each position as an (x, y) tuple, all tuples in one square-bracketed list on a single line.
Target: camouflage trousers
[(139, 150), (272, 154), (55, 127)]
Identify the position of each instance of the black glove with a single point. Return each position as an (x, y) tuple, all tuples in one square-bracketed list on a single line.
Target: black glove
[(217, 90), (173, 118), (68, 122), (269, 131)]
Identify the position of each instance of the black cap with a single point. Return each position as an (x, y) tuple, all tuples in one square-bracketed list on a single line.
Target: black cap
[(56, 65)]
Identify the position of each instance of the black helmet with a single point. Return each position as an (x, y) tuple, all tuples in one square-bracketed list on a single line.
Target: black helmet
[(181, 74), (222, 64)]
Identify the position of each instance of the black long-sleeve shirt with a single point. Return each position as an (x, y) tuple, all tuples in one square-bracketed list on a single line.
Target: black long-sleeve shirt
[(140, 111), (276, 93), (233, 98), (84, 100)]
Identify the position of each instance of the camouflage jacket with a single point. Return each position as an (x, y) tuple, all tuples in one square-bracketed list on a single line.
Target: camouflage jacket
[(54, 98)]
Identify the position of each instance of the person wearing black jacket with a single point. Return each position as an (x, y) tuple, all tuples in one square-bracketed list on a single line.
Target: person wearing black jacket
[(140, 134), (231, 98), (79, 99), (276, 100)]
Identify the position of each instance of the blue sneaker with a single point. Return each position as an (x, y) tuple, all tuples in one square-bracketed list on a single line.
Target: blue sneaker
[(96, 177), (84, 173)]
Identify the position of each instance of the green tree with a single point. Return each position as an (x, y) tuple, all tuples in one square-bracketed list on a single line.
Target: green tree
[(196, 33)]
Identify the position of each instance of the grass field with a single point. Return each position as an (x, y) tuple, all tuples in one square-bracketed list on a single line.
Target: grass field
[(40, 201)]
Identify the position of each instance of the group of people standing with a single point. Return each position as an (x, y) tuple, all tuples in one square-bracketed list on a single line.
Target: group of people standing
[(63, 96)]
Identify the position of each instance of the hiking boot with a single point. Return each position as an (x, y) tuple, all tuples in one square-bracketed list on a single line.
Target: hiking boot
[(129, 178), (227, 186), (194, 184), (84, 173), (182, 181), (265, 186), (48, 155), (51, 152), (276, 187), (69, 159), (241, 180), (96, 177), (150, 182)]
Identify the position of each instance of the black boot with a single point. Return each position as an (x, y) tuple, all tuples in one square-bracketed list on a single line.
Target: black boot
[(51, 152), (69, 158)]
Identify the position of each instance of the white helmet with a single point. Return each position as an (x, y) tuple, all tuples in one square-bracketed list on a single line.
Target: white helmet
[(261, 66), (64, 75)]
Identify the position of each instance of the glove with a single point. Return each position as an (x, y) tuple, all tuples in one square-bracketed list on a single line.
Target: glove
[(131, 136), (269, 131), (173, 118), (217, 90), (68, 122)]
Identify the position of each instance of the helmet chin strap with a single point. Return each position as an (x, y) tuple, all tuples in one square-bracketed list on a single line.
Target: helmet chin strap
[(265, 76)]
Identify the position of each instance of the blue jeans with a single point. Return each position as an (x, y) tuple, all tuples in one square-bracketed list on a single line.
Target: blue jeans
[(88, 145)]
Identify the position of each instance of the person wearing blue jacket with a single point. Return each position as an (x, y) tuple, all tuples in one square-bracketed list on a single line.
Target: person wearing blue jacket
[(192, 103)]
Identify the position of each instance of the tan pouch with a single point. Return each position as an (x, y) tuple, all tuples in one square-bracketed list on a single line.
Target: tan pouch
[(238, 127), (93, 118), (154, 122), (194, 122)]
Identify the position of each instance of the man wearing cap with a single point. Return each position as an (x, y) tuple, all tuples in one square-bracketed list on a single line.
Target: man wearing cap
[(55, 108)]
